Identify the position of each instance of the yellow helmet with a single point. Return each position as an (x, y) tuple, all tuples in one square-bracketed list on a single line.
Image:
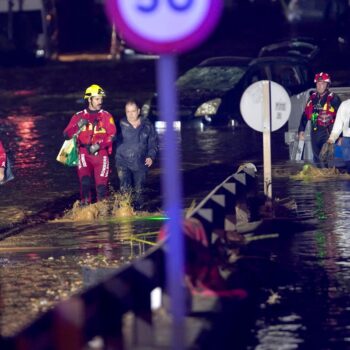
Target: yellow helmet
[(94, 90)]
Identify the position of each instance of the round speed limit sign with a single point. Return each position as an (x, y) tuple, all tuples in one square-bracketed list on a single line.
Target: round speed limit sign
[(164, 26)]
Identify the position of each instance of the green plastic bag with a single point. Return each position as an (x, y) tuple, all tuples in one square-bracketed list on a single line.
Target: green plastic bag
[(68, 154)]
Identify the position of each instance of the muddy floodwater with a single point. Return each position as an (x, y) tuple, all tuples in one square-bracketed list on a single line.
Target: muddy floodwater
[(46, 256)]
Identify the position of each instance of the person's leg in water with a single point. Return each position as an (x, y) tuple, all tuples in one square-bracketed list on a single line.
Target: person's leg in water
[(125, 180), (101, 173), (84, 173), (318, 138), (139, 182)]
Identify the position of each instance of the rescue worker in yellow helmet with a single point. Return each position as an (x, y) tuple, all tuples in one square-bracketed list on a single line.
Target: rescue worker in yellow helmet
[(96, 132), (320, 110)]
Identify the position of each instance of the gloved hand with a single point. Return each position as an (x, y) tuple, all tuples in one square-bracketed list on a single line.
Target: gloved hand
[(94, 148), (82, 122)]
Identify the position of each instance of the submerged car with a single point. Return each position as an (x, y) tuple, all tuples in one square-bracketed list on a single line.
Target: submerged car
[(211, 91), (297, 48)]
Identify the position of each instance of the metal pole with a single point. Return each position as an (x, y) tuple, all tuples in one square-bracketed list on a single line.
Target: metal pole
[(267, 138), (10, 21), (172, 190), (44, 21), (113, 49)]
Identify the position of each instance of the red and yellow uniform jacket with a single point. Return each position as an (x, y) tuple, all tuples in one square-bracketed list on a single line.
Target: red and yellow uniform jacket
[(2, 156), (100, 129)]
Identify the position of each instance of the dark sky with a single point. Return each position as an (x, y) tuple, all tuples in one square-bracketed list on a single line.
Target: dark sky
[(83, 26)]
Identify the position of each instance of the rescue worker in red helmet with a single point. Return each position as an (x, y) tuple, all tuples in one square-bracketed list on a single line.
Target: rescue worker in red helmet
[(96, 132), (321, 109), (2, 162)]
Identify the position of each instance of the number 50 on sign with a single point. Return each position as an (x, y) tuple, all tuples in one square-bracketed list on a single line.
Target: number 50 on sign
[(164, 26)]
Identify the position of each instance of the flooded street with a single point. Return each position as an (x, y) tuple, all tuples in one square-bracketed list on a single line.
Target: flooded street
[(313, 312), (49, 262), (45, 257)]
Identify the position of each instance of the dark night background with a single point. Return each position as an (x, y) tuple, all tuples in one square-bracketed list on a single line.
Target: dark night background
[(81, 26)]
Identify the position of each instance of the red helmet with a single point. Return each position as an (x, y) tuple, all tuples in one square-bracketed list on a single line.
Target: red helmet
[(322, 77)]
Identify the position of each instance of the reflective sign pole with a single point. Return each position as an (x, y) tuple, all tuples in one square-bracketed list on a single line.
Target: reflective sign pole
[(172, 188), (267, 139)]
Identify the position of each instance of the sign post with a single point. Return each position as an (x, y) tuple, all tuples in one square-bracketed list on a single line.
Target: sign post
[(265, 107), (267, 140), (168, 27)]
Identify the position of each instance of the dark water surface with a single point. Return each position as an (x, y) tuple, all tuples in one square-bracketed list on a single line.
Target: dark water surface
[(45, 262), (313, 311)]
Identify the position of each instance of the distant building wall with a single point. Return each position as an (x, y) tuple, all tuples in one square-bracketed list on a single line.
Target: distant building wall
[(27, 5)]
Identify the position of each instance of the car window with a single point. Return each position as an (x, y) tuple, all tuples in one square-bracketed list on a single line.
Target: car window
[(259, 72), (305, 74), (286, 75), (220, 78)]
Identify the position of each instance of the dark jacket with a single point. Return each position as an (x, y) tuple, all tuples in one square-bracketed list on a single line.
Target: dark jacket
[(135, 145)]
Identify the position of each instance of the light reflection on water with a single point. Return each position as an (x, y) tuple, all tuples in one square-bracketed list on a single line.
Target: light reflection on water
[(32, 143), (314, 309), (30, 149)]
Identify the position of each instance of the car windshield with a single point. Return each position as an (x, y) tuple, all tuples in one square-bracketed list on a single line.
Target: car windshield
[(220, 78)]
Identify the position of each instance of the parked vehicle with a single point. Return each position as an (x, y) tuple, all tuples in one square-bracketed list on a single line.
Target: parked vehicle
[(211, 91), (296, 48)]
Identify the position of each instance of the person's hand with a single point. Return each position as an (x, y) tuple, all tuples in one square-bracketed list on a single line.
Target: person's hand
[(94, 148), (148, 161), (82, 122), (302, 136), (2, 174), (330, 141)]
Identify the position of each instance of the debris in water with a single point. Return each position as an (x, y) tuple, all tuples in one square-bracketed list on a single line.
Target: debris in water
[(274, 298), (311, 173)]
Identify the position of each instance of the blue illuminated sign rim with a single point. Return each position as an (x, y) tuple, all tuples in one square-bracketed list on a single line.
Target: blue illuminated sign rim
[(143, 44)]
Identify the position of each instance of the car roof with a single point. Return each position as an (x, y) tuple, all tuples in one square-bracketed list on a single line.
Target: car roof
[(279, 59), (249, 61), (226, 61), (290, 48)]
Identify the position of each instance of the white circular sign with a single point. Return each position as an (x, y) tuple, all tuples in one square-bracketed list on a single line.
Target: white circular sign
[(175, 24), (253, 103), (164, 25)]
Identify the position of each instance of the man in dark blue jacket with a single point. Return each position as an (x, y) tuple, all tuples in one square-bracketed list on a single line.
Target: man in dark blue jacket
[(137, 147)]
